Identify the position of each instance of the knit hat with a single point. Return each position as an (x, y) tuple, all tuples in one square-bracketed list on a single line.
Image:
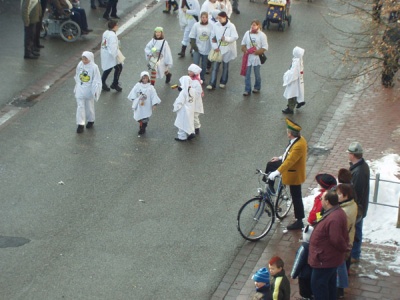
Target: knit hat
[(307, 231), (355, 148), (195, 69), (292, 125), (326, 181), (144, 73), (159, 29), (262, 275)]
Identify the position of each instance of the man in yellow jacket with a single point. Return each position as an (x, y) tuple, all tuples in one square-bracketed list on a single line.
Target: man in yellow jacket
[(292, 166)]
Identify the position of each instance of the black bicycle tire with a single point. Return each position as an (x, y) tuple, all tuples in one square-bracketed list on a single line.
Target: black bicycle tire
[(278, 211), (245, 232)]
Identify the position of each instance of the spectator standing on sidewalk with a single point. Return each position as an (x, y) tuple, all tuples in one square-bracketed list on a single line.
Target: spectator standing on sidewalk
[(87, 90), (200, 42), (144, 100), (292, 166), (328, 245), (360, 179), (109, 56), (223, 38), (254, 43), (43, 6), (293, 80), (31, 14), (261, 281), (391, 54), (280, 285), (159, 57), (111, 10)]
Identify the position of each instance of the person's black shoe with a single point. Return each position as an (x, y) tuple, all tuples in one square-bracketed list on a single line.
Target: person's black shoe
[(298, 224), (166, 11), (116, 87), (300, 104), (287, 111), (197, 131), (105, 87), (168, 78), (30, 56), (89, 125), (40, 46), (36, 53), (115, 17), (191, 136), (340, 293), (179, 140), (80, 129), (106, 17)]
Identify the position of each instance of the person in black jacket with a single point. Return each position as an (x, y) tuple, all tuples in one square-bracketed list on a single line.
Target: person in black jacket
[(360, 179), (301, 268), (280, 285)]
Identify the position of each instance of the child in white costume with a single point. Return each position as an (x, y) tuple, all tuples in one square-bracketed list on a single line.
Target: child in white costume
[(293, 80), (87, 89), (144, 99), (184, 108), (194, 74)]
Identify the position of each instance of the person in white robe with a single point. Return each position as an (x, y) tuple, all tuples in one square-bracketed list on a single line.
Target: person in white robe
[(111, 56), (144, 100), (87, 89), (293, 80), (223, 38), (189, 12), (158, 56), (184, 108), (194, 74), (226, 6)]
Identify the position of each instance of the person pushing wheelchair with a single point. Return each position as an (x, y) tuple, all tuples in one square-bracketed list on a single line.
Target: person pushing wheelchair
[(292, 167)]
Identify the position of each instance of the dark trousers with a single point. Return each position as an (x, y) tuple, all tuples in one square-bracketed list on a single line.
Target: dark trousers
[(111, 7), (117, 73), (323, 283), (79, 16), (295, 191), (29, 36), (305, 287)]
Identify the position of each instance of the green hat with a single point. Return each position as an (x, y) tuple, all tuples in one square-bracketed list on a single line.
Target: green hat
[(292, 125), (159, 28)]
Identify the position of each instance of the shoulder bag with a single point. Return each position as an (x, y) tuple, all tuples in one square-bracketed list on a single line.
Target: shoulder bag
[(263, 57), (216, 55)]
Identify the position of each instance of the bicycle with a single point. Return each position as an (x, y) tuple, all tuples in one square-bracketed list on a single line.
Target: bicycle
[(256, 217)]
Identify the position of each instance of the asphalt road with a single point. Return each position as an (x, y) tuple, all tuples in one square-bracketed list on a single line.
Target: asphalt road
[(108, 215)]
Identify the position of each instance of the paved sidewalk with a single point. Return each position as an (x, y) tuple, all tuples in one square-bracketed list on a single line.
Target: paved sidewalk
[(370, 116)]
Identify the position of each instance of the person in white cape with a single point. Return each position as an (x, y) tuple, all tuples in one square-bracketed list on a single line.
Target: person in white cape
[(184, 108), (87, 89), (189, 12), (293, 80), (194, 74), (144, 100)]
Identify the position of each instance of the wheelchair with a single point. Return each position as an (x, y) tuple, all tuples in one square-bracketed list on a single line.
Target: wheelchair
[(63, 26)]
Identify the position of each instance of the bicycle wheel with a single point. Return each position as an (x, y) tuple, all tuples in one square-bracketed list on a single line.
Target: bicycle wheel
[(283, 202), (255, 219)]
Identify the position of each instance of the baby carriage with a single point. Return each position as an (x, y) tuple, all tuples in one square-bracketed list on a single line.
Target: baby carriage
[(278, 13)]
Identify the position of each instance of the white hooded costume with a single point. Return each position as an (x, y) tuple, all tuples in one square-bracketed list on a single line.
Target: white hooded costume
[(198, 99), (184, 108), (143, 97), (293, 78), (87, 89)]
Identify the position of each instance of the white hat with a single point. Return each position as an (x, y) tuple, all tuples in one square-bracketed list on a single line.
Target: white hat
[(195, 69), (144, 73)]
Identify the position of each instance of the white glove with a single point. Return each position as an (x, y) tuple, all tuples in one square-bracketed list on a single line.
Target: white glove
[(273, 174)]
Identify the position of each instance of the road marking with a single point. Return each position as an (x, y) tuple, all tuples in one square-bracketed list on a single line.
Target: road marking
[(8, 115), (133, 20)]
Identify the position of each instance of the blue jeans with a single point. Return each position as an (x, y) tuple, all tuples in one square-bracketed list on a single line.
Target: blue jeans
[(356, 251), (196, 60), (323, 283), (247, 80), (224, 77)]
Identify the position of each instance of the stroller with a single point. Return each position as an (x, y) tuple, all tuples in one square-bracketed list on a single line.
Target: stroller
[(278, 12)]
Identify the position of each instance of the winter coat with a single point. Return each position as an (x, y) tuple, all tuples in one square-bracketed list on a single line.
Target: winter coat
[(184, 106), (360, 180), (144, 97), (350, 208), (227, 47), (315, 212), (293, 79), (330, 240), (31, 11), (293, 167), (202, 35), (258, 40), (301, 268), (109, 50), (165, 61), (280, 287), (87, 79)]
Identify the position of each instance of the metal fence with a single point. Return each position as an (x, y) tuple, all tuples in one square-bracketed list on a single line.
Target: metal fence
[(375, 198)]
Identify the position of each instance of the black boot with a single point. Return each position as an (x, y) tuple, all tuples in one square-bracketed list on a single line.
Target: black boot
[(175, 5), (182, 53), (80, 129)]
